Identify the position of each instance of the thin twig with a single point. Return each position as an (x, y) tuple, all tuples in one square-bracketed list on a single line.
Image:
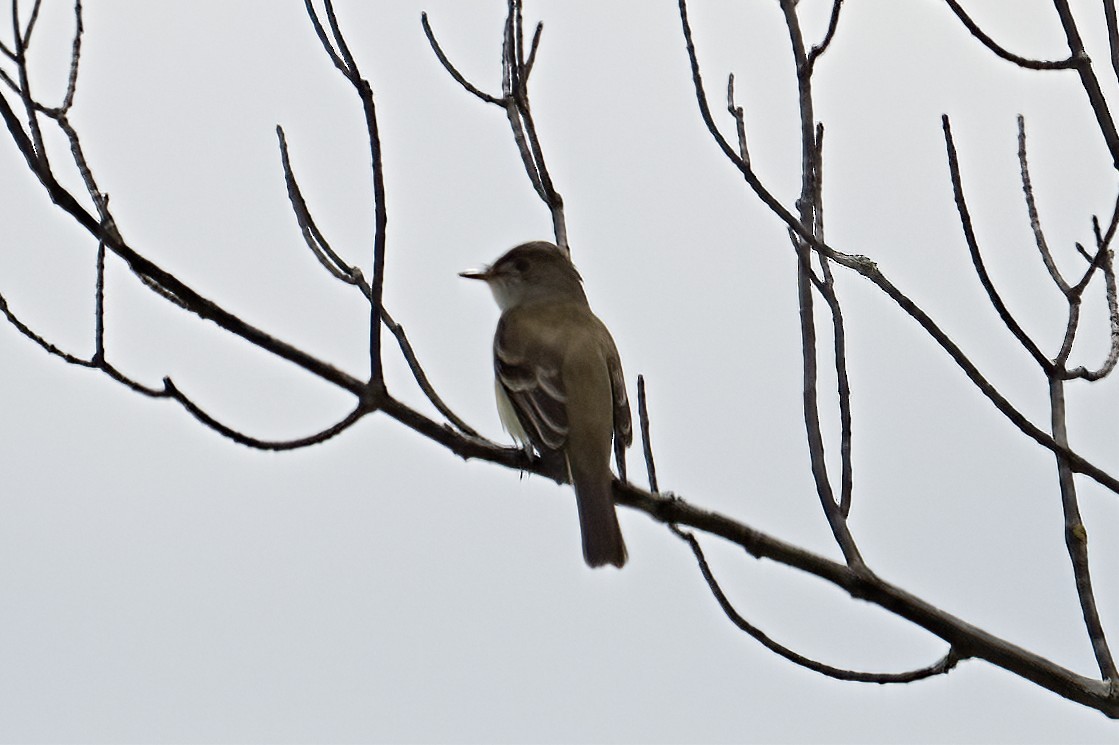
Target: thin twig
[(1088, 79), (451, 69), (352, 275), (344, 61), (1112, 35), (739, 120), (173, 392), (819, 49), (99, 307), (1004, 313), (940, 667), (809, 218), (24, 329), (515, 70), (990, 43), (1103, 243), (1031, 209), (646, 441), (75, 59)]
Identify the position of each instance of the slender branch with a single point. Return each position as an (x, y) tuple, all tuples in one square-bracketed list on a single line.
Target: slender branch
[(1104, 256), (839, 336), (1005, 315), (1112, 35), (809, 217), (739, 120), (450, 68), (818, 50), (1076, 537), (99, 307), (75, 60), (312, 236), (24, 329), (990, 43), (343, 60), (41, 161), (173, 392), (352, 275), (646, 441), (31, 22), (1031, 209), (515, 70), (1088, 80), (940, 667)]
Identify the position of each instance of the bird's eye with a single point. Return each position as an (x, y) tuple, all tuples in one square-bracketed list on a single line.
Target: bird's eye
[(521, 265)]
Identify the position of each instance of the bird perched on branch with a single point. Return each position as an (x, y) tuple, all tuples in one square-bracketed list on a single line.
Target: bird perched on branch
[(560, 388)]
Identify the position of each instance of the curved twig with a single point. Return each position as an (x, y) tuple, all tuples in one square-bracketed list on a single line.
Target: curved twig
[(1031, 209), (819, 49), (172, 391), (987, 41), (941, 667), (451, 69), (1004, 313)]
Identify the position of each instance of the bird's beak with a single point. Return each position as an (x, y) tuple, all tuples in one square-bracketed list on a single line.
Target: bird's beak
[(482, 274)]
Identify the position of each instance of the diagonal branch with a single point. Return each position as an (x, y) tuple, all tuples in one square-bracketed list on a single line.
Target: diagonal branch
[(1088, 80)]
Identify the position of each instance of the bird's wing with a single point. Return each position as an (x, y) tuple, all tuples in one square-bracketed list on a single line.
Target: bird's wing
[(530, 377), (623, 423)]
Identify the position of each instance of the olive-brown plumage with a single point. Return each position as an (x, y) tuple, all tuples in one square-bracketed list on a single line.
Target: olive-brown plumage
[(559, 382)]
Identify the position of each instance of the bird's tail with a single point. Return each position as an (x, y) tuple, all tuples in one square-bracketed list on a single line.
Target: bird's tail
[(598, 520)]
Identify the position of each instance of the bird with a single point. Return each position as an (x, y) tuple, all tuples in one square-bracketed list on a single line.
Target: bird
[(559, 383)]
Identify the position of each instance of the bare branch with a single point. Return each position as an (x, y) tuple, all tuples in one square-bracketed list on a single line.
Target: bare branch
[(1076, 537), (990, 43), (1088, 80), (532, 51), (963, 638), (1112, 35), (739, 120), (1104, 255), (940, 667), (312, 236), (646, 441), (24, 329), (172, 392), (31, 22), (99, 307), (344, 62), (822, 47), (1031, 208), (810, 218), (75, 60), (458, 76), (977, 258), (869, 270)]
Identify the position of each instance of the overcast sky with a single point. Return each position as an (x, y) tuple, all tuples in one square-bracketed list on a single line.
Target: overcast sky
[(160, 583)]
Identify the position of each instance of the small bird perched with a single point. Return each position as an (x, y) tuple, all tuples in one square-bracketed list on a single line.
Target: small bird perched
[(559, 382)]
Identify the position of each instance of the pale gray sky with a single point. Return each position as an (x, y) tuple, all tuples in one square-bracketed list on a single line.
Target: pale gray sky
[(159, 583)]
